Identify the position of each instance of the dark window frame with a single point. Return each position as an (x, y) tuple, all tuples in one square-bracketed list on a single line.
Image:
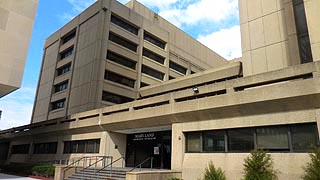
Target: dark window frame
[(119, 79), (66, 53), (61, 86), (64, 69), (123, 42), (115, 98), (152, 72), (45, 148), (121, 60), (69, 145), (120, 22), (154, 40), (177, 67), (153, 56), (20, 149), (68, 37), (60, 104)]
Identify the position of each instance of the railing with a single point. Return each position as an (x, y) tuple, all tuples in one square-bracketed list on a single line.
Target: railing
[(81, 163), (110, 165), (143, 162), (102, 159)]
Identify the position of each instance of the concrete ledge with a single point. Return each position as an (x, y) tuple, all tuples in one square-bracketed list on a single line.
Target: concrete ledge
[(154, 175)]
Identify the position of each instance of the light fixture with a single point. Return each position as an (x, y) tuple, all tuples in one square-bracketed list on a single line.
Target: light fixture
[(195, 89)]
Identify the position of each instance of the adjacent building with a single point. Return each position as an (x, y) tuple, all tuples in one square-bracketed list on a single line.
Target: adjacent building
[(16, 22), (105, 90)]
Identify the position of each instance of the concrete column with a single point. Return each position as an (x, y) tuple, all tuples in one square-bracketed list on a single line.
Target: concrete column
[(178, 147)]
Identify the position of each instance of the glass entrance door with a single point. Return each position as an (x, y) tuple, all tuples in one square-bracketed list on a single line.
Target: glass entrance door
[(144, 145)]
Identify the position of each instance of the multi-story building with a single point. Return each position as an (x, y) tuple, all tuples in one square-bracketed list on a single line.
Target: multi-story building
[(264, 100), (16, 22), (107, 53)]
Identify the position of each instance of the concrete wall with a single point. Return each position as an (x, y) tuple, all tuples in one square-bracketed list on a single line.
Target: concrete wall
[(268, 35), (16, 22)]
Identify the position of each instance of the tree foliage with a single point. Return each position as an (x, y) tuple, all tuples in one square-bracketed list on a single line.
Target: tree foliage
[(312, 169), (259, 166), (213, 173)]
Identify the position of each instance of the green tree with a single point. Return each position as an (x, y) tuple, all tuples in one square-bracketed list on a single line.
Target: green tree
[(212, 173), (312, 170), (259, 166)]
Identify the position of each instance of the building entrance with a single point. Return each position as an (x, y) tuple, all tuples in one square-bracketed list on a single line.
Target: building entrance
[(152, 144)]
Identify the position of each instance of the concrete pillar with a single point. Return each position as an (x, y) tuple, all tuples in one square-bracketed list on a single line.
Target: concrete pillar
[(178, 147)]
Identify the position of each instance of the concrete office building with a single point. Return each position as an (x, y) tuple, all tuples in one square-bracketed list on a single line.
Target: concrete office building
[(16, 22), (265, 100)]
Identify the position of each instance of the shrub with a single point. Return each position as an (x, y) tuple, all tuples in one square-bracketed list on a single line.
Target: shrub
[(259, 166), (312, 170), (174, 178), (43, 170), (213, 173)]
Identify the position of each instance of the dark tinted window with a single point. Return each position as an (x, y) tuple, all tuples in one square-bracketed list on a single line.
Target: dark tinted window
[(152, 72), (241, 140), (304, 137), (171, 77), (115, 98), (273, 138), (125, 25), (123, 42), (302, 31), (214, 141), (20, 149), (142, 84), (193, 142), (66, 53), (68, 37), (60, 87), (154, 40), (121, 60), (64, 69), (58, 104), (177, 67), (119, 79), (82, 146), (153, 56), (45, 148)]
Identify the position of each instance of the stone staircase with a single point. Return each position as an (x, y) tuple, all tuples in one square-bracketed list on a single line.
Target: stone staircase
[(105, 174)]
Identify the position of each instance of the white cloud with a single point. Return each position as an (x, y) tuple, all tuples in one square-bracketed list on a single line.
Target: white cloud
[(17, 108), (226, 42), (77, 6)]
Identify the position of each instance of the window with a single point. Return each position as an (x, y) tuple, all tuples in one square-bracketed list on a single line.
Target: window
[(193, 142), (302, 31), (171, 77), (119, 79), (68, 37), (304, 137), (58, 104), (142, 84), (125, 25), (60, 87), (273, 138), (64, 69), (288, 138), (82, 146), (123, 42), (20, 149), (66, 53), (154, 40), (177, 67), (153, 56), (114, 98), (214, 141), (152, 72), (240, 140), (45, 148), (121, 60)]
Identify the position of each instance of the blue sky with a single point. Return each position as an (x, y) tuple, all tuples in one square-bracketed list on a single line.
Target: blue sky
[(215, 23)]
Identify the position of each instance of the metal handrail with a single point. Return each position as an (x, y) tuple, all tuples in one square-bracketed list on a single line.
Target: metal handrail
[(112, 162), (77, 162), (146, 160), (102, 158)]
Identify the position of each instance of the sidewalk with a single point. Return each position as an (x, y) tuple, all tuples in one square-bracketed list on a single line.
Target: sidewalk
[(12, 177)]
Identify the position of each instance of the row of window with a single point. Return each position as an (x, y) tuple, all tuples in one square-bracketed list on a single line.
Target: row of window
[(68, 37), (58, 104), (123, 42), (81, 146), (296, 138), (61, 86), (154, 40), (119, 79), (151, 72), (121, 60), (115, 98), (177, 67), (66, 53), (153, 56)]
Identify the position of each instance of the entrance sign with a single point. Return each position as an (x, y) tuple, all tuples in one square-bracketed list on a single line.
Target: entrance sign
[(144, 136), (156, 150)]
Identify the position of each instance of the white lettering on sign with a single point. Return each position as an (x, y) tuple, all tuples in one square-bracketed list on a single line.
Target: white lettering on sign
[(144, 136)]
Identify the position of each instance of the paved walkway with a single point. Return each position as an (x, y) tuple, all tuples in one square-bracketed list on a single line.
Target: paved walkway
[(12, 177)]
